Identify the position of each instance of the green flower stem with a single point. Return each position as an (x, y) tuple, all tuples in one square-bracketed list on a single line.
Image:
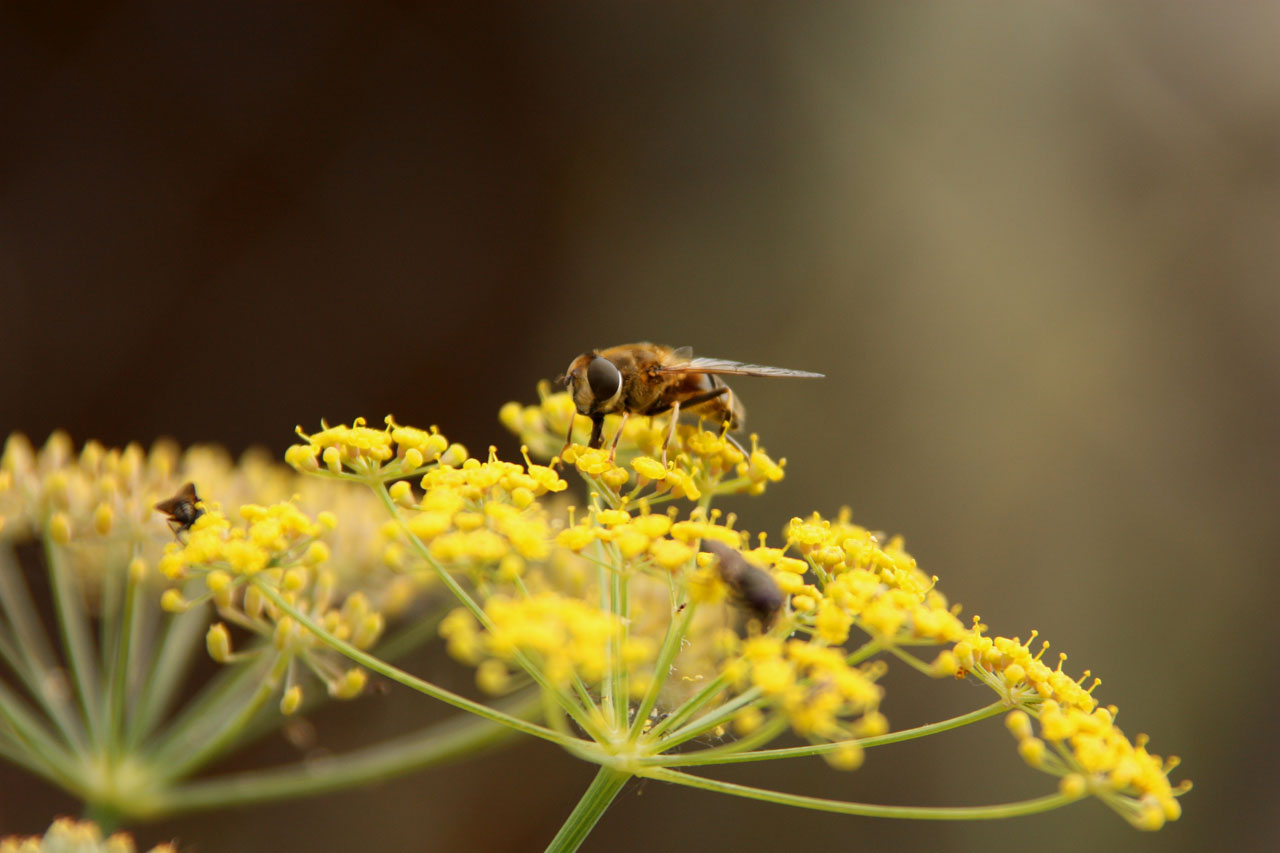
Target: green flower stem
[(23, 757), (864, 651), (43, 752), (37, 683), (718, 716), (122, 665), (714, 756), (723, 754), (691, 706), (597, 798), (201, 751), (170, 658), (911, 660), (620, 602), (399, 676), (570, 707), (442, 743), (77, 645), (19, 610), (996, 812), (671, 644), (221, 697)]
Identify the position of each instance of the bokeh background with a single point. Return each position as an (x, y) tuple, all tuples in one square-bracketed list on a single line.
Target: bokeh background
[(1034, 247)]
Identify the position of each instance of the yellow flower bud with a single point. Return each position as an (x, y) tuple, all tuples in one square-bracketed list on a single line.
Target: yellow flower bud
[(492, 676), (218, 642), (401, 492), (102, 518), (846, 756), (1032, 750), (349, 685), (60, 528), (1019, 724), (292, 699)]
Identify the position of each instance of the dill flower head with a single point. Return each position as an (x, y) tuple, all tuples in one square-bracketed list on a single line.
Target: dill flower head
[(635, 625), (66, 835), (132, 603)]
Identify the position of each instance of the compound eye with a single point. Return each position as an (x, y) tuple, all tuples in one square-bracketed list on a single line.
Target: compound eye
[(604, 378)]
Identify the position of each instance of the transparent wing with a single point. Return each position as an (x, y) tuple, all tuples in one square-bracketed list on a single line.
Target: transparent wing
[(734, 368)]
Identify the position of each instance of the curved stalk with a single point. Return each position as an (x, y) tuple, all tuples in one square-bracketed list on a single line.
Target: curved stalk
[(716, 756), (996, 812), (435, 745)]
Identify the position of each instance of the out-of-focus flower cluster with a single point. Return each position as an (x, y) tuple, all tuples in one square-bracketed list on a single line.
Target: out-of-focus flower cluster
[(97, 506), (66, 835)]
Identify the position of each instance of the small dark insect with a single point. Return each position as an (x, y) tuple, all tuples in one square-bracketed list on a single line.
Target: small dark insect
[(181, 509), (753, 588)]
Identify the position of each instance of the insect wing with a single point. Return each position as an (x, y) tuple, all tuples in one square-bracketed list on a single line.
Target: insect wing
[(735, 368)]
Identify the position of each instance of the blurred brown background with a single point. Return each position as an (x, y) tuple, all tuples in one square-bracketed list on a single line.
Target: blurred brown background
[(1033, 246)]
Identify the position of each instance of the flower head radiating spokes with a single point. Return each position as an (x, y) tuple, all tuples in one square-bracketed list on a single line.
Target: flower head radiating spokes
[(647, 630)]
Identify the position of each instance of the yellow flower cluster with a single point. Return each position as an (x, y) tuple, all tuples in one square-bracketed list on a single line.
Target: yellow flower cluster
[(565, 637), (280, 547), (100, 502), (648, 539), (479, 514), (814, 687), (394, 451), (700, 462), (1092, 755), (876, 586), (66, 835)]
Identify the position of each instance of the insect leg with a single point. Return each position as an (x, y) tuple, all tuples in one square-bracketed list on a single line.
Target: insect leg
[(568, 436), (671, 430), (613, 448)]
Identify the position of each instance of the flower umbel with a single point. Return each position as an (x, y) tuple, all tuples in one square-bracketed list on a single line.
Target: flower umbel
[(640, 629)]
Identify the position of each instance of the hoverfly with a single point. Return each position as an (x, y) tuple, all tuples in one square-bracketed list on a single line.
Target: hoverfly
[(752, 587), (650, 379), (181, 509)]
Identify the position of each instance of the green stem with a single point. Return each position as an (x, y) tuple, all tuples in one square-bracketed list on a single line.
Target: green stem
[(727, 753), (911, 660), (716, 717), (122, 663), (619, 687), (217, 699), (174, 652), (435, 745), (78, 647), (602, 791), (681, 715), (671, 644), (29, 736), (996, 812), (212, 745), (33, 659), (711, 756), (399, 676)]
